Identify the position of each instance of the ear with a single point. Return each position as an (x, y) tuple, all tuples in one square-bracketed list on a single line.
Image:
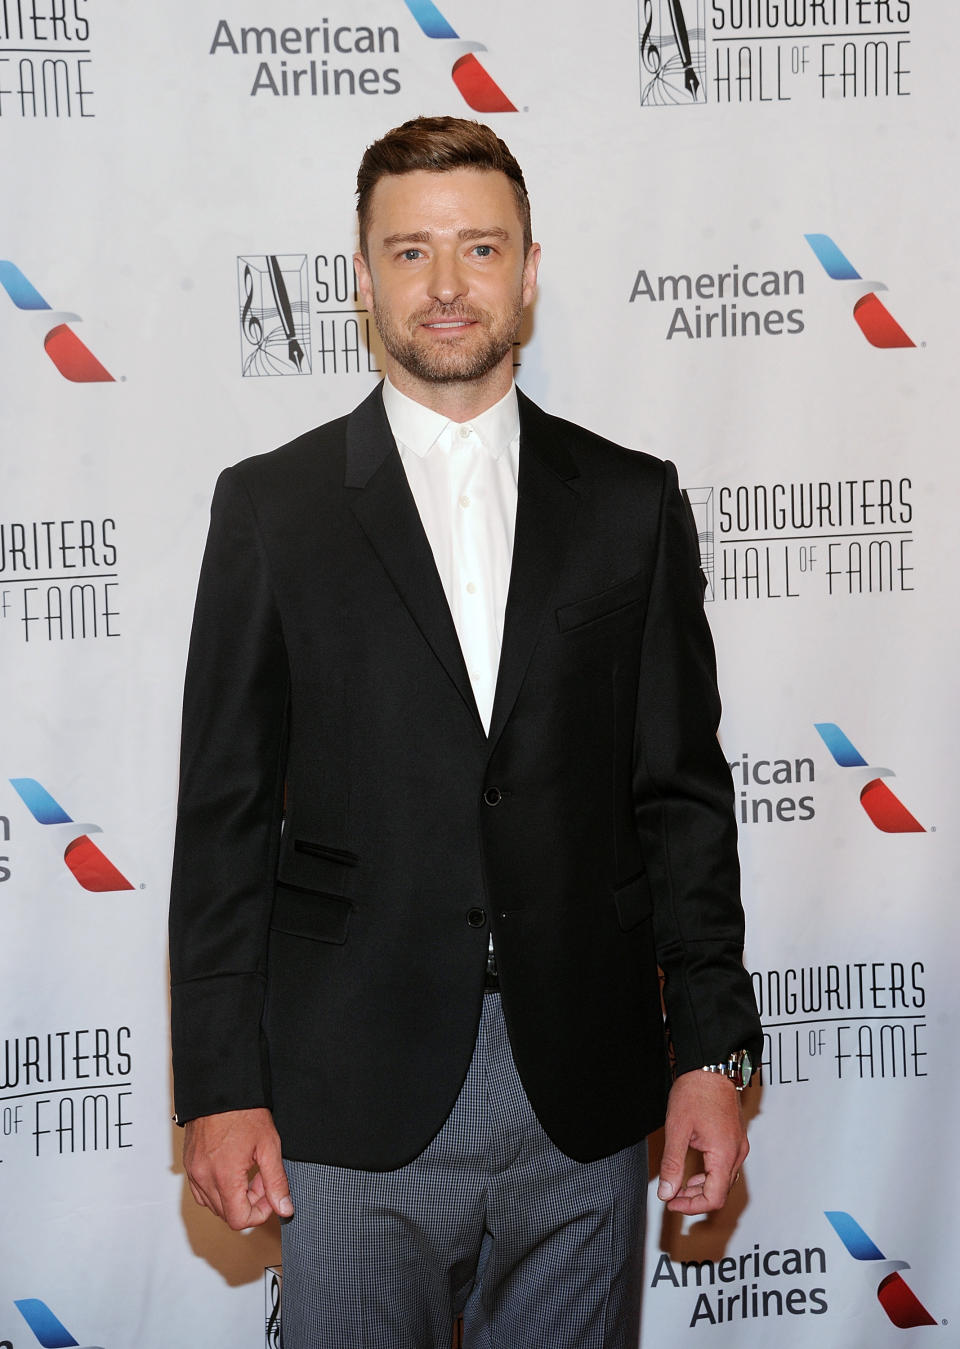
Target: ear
[(531, 267), (364, 280)]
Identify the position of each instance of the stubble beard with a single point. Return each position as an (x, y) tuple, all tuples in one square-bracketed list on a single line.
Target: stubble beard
[(449, 361)]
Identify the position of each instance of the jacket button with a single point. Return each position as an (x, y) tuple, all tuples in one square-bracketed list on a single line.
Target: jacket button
[(493, 796), (476, 917)]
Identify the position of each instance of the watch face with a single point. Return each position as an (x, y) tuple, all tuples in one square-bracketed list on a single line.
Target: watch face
[(746, 1067), (739, 1068)]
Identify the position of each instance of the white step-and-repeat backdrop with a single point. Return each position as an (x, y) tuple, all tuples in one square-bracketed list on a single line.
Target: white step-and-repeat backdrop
[(748, 211)]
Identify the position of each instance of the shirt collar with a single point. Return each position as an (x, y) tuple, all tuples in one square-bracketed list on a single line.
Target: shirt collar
[(419, 428)]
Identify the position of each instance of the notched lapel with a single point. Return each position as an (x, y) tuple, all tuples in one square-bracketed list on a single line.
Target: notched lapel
[(547, 503), (380, 498)]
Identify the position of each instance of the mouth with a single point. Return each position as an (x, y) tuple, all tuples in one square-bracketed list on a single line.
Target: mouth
[(449, 325)]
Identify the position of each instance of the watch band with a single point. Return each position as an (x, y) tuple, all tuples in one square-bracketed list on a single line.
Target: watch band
[(737, 1069)]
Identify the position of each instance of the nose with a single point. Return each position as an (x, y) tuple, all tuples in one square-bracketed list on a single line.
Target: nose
[(447, 281)]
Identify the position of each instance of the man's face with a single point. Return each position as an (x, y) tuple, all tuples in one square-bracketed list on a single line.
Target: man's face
[(445, 273)]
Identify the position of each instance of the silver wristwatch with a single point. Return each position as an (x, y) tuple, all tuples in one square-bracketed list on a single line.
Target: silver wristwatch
[(738, 1068)]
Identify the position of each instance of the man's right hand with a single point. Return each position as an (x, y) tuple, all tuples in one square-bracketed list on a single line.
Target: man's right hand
[(219, 1153)]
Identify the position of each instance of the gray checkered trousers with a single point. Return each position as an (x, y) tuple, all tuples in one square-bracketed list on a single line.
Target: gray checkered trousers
[(491, 1221)]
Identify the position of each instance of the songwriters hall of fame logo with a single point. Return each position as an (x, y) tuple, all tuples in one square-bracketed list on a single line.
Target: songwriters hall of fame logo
[(756, 52), (274, 314), (781, 540), (673, 52)]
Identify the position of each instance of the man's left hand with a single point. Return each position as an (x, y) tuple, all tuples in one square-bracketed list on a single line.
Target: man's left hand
[(703, 1113)]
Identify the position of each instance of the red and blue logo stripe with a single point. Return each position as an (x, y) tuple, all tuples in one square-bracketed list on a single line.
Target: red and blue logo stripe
[(73, 359), (885, 810), (894, 1294), (477, 87), (873, 318), (88, 865)]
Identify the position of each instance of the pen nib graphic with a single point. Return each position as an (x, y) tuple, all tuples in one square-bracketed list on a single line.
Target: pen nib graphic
[(691, 83), (294, 349)]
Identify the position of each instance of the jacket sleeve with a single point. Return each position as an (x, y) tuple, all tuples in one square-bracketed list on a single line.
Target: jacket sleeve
[(684, 805), (229, 819)]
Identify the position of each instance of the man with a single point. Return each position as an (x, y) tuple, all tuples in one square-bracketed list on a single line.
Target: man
[(451, 792)]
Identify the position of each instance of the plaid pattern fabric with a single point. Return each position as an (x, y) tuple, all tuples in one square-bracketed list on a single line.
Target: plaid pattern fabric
[(491, 1221)]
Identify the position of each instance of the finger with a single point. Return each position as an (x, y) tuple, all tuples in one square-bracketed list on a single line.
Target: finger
[(716, 1187), (701, 1193), (692, 1189), (721, 1166), (700, 1199), (276, 1191), (672, 1162), (239, 1213), (224, 1192), (742, 1155), (198, 1195), (257, 1199), (206, 1192), (691, 1208)]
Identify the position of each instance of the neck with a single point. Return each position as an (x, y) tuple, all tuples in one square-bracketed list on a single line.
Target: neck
[(459, 400)]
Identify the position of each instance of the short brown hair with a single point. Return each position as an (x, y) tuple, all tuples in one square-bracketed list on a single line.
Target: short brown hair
[(437, 145)]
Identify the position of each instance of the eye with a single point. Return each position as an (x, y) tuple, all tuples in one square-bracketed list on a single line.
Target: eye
[(484, 250), (410, 254)]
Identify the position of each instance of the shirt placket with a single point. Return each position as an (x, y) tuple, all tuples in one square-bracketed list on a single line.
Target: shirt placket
[(472, 568)]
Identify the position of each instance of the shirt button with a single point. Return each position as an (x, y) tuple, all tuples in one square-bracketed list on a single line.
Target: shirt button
[(476, 917), (471, 588), (465, 432), (493, 796), (464, 502)]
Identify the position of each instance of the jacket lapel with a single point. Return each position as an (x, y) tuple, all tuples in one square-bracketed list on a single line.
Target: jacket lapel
[(547, 503), (381, 499)]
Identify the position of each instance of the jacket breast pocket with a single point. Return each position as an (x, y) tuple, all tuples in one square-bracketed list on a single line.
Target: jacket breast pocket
[(618, 600), (316, 866), (299, 912)]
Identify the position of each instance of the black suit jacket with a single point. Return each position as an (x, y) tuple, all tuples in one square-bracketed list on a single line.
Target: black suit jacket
[(348, 835)]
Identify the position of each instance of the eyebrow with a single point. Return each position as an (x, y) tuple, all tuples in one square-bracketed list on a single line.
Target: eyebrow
[(424, 236)]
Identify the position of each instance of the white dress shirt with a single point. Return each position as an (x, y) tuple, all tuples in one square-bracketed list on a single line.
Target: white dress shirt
[(463, 477)]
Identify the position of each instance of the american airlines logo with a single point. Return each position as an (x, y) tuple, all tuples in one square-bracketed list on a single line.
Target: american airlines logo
[(894, 1294), (872, 317), (477, 87), (73, 358), (886, 810), (91, 868)]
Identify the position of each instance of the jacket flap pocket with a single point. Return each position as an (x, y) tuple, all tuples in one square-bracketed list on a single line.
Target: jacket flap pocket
[(310, 913), (634, 901), (608, 602)]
